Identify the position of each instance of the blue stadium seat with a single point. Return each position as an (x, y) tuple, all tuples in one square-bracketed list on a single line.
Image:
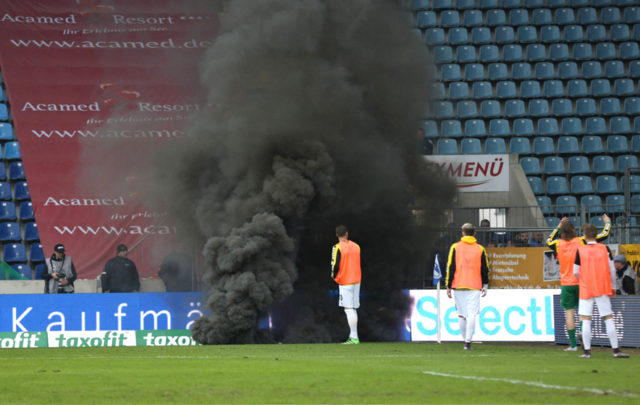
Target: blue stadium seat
[(620, 125), (620, 32), (31, 232), (519, 16), (547, 127), (596, 32), (635, 143), (526, 34), (5, 191), (23, 269), (543, 145), (635, 203), (511, 3), (480, 35), (443, 54), (437, 91), (451, 128), (544, 70), (418, 5), (6, 131), (427, 19), (4, 112), (614, 203), (519, 145), (568, 145), (567, 70), (603, 164), (12, 151), (512, 53), (462, 4), (606, 51), (566, 205), (449, 18), (16, 171), (591, 69), (10, 232), (572, 126), (474, 71), (541, 16), (472, 18), (624, 87), (617, 144), (482, 90), (556, 185), (489, 53), (634, 184), (495, 146), (446, 146), (625, 161), (607, 184), (629, 50), (600, 87), (549, 33), (490, 109), (499, 127), (552, 88), (564, 16), (36, 255), (632, 107), (450, 72), (581, 184), (561, 107), (545, 204), (610, 106), (15, 253), (442, 4), (551, 222), (466, 54), (536, 185), (634, 66), (592, 144), (21, 191), (535, 53), (496, 17), (530, 89), (592, 204), (471, 146), (530, 165), (498, 71), (523, 127), (506, 89), (430, 128), (539, 107), (573, 33), (26, 211), (7, 211), (582, 51), (579, 164), (435, 36), (614, 68), (458, 36), (444, 109), (521, 71), (632, 14), (610, 15), (586, 106), (595, 126), (587, 15), (467, 109), (475, 128), (577, 88), (553, 165)]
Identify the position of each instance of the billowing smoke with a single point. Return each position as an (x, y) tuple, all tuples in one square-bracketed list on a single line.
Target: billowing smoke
[(314, 106)]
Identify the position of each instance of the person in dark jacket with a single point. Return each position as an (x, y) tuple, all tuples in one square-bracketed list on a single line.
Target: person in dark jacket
[(626, 277), (120, 273), (60, 272)]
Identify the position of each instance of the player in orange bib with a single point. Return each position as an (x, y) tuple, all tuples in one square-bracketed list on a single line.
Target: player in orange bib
[(346, 271), (596, 276)]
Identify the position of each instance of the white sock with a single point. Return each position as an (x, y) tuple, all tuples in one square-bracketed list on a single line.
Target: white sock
[(586, 334), (471, 326), (352, 320), (463, 328), (611, 332)]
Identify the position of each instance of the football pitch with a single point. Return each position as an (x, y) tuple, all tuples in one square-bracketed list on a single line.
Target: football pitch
[(319, 373)]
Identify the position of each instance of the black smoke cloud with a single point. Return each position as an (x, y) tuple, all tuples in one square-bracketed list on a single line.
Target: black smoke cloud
[(313, 109)]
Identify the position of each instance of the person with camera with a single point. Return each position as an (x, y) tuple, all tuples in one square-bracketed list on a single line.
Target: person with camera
[(60, 273)]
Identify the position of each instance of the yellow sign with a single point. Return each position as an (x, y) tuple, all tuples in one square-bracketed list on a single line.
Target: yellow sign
[(529, 267)]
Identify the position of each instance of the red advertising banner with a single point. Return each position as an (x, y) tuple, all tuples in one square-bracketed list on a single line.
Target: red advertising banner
[(95, 87)]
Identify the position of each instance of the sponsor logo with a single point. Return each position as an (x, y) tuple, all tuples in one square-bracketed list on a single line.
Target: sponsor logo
[(28, 106), (165, 338), (120, 19), (84, 202), (92, 339), (19, 340), (70, 19)]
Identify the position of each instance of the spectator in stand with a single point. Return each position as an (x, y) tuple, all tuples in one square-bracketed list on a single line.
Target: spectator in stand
[(520, 239), (626, 277), (424, 144), (176, 271), (60, 272), (537, 240), (486, 237), (120, 274)]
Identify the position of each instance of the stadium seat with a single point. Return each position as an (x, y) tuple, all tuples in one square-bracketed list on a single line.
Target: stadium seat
[(490, 109), (635, 143), (634, 67), (471, 146), (451, 128), (619, 125), (572, 126), (39, 269), (552, 88), (573, 33), (521, 71), (614, 68), (36, 255), (544, 70), (15, 253), (26, 211), (606, 51), (596, 32), (450, 72), (606, 184), (547, 127), (543, 145), (556, 185), (21, 191), (629, 50), (418, 5), (511, 3), (530, 89), (536, 185), (560, 52), (541, 16), (496, 17), (514, 108), (561, 107), (624, 161), (635, 203), (523, 127), (545, 204), (499, 127), (624, 87), (506, 89), (581, 184), (632, 106), (634, 184), (430, 128), (591, 69), (586, 106), (446, 146), (498, 71), (16, 171), (480, 35), (449, 18), (614, 203), (495, 146), (610, 106), (582, 51), (7, 211), (519, 16), (530, 165), (466, 54), (443, 54), (632, 14), (427, 19), (587, 15), (527, 34), (620, 32), (472, 18), (512, 53), (6, 131), (553, 165), (564, 16), (610, 15), (603, 164), (568, 145), (482, 90), (4, 112), (549, 34), (10, 232), (474, 71), (595, 126), (444, 109), (435, 36), (466, 109), (519, 145), (577, 88), (12, 151), (23, 269), (551, 222), (475, 128), (567, 70), (539, 107), (592, 204), (600, 88), (566, 205), (442, 4), (535, 53), (592, 144), (458, 36), (579, 165), (31, 232), (5, 191), (617, 144)]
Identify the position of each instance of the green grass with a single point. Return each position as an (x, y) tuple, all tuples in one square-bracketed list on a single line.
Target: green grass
[(318, 373)]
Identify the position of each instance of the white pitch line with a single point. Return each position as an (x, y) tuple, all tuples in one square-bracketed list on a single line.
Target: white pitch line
[(533, 384)]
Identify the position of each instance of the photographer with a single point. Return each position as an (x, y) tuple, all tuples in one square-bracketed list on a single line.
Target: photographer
[(61, 273)]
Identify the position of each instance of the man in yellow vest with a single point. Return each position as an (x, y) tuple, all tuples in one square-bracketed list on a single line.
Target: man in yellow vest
[(346, 271), (596, 275), (566, 248), (468, 275)]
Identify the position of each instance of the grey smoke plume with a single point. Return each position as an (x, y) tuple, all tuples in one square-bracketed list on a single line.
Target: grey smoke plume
[(313, 112)]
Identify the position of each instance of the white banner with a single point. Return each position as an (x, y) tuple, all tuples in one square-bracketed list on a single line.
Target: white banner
[(475, 173), (505, 315), (106, 338)]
